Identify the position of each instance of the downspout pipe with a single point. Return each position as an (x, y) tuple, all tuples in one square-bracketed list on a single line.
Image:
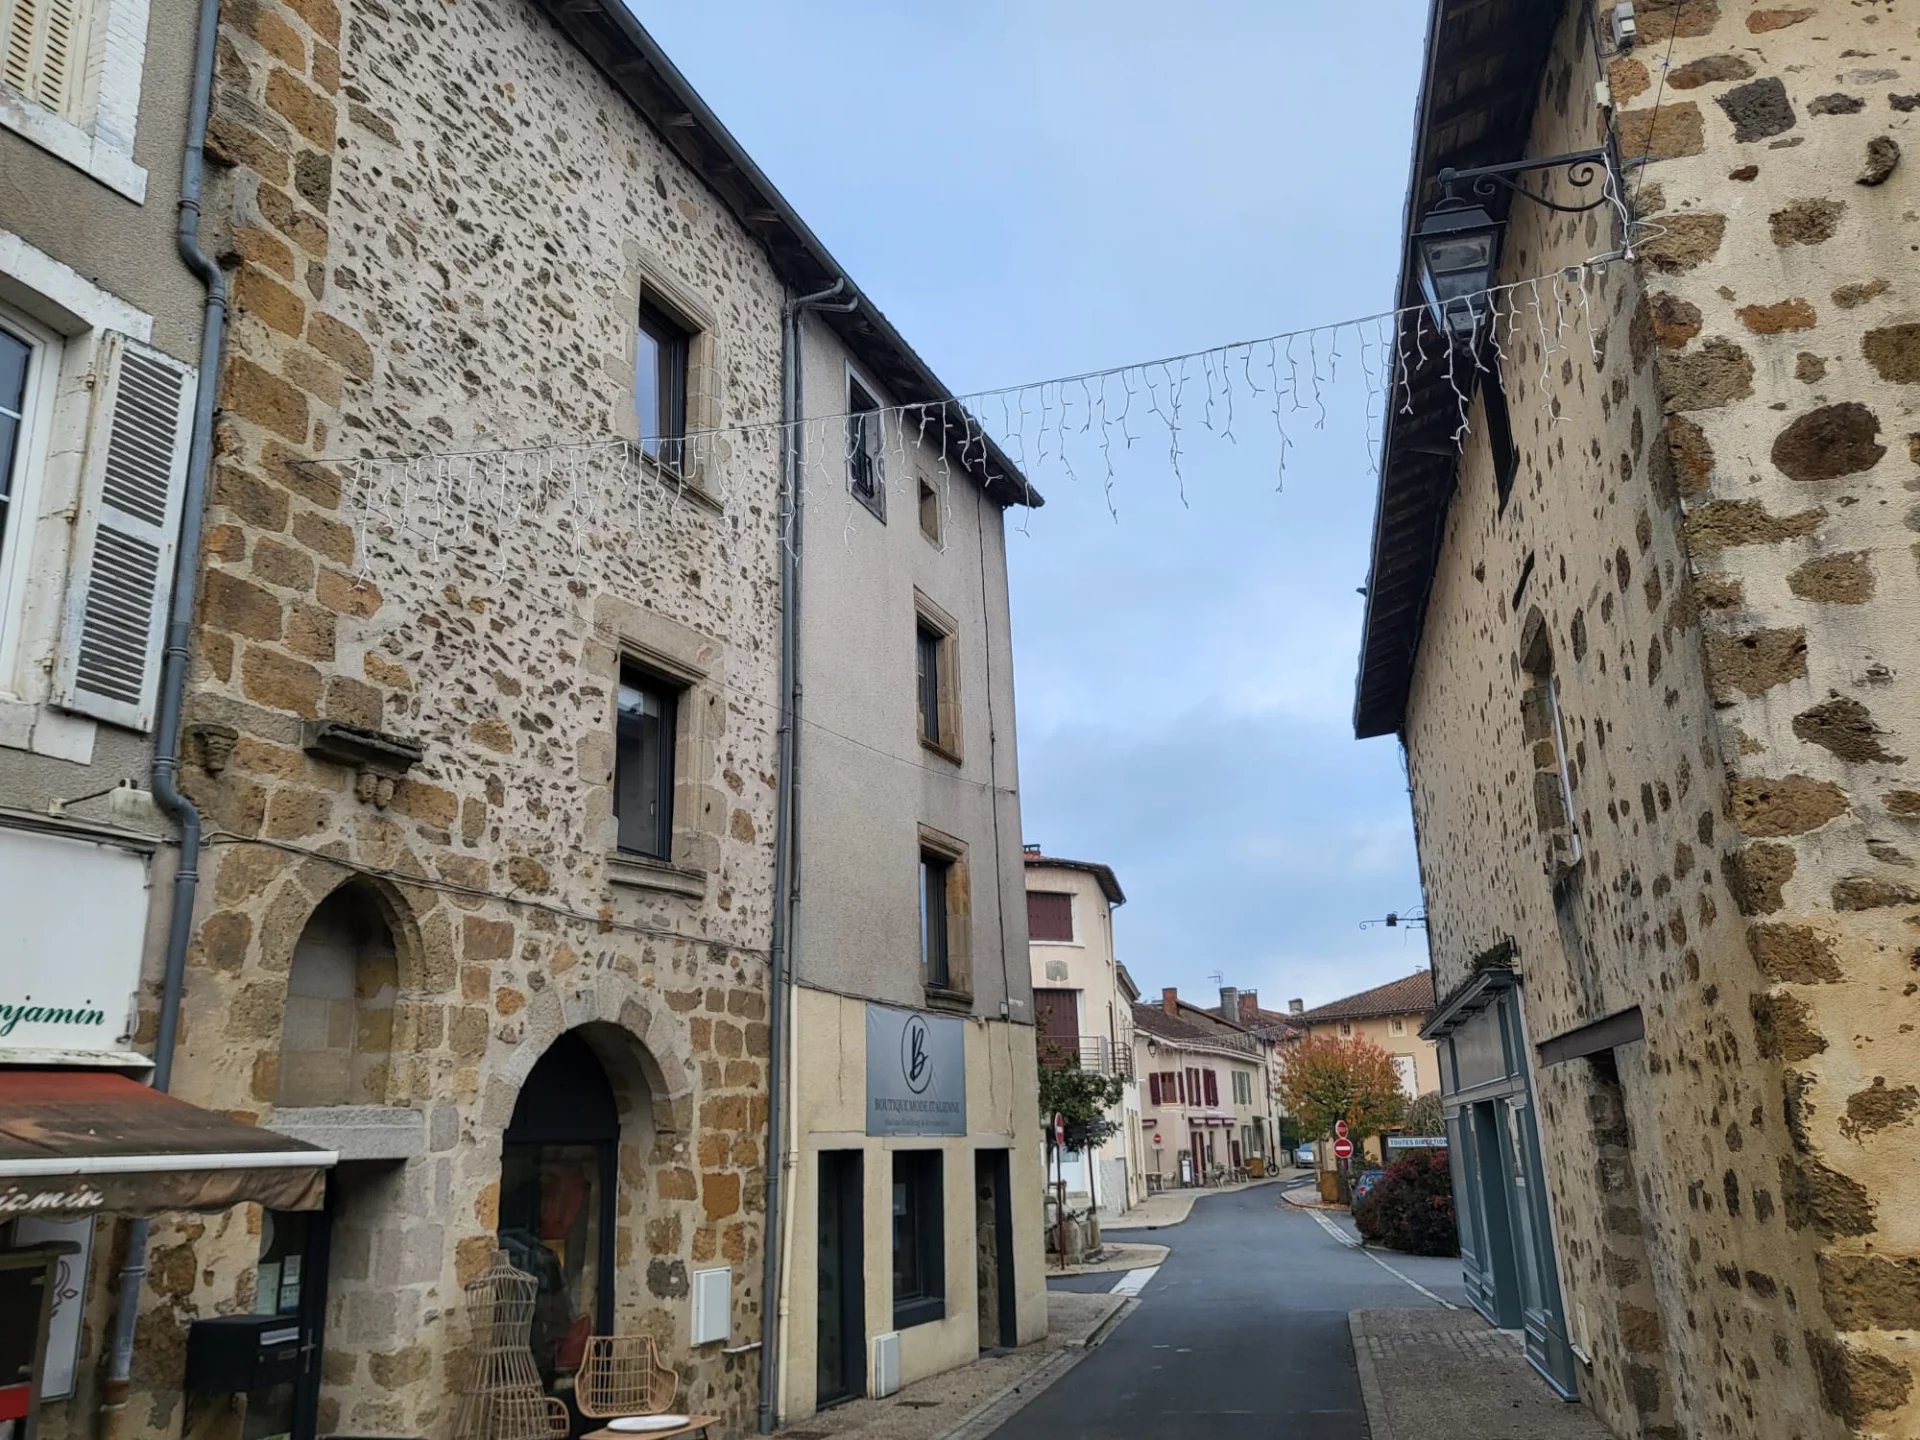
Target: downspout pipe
[(786, 832), (174, 665)]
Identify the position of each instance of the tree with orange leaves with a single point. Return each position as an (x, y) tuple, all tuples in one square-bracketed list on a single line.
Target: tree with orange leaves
[(1324, 1078)]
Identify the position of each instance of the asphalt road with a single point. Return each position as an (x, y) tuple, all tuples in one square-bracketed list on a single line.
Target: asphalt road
[(1241, 1333)]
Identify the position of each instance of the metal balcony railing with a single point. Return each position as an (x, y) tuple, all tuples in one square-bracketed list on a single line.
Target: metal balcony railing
[(1097, 1054)]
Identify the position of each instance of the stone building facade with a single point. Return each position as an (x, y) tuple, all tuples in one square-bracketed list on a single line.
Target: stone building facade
[(1653, 681), (441, 225)]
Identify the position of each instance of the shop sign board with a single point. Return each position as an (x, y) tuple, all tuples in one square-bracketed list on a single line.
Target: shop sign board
[(77, 914), (916, 1073)]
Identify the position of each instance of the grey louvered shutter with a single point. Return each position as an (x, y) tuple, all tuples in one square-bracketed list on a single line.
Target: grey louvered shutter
[(127, 530)]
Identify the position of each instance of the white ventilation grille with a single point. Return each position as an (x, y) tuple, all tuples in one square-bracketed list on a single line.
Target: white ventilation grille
[(109, 664), (712, 1305), (42, 59), (885, 1370)]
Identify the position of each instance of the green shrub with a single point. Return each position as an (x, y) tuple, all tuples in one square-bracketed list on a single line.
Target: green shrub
[(1411, 1208)]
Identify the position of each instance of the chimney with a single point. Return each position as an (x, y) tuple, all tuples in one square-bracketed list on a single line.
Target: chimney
[(1295, 1007), (1249, 1006), (1031, 847), (1230, 1004), (1170, 1000)]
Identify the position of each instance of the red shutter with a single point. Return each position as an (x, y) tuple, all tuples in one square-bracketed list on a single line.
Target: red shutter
[(1049, 915), (1213, 1089), (1153, 1088)]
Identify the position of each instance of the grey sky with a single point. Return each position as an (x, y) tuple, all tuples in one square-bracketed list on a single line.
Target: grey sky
[(1041, 188)]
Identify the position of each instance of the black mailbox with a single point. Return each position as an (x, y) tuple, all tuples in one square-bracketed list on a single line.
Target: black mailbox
[(232, 1354)]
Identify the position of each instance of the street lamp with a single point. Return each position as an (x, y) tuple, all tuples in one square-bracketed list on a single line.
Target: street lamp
[(1458, 243)]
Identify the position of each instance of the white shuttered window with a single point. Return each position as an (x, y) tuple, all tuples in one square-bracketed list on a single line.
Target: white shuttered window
[(46, 50), (127, 530)]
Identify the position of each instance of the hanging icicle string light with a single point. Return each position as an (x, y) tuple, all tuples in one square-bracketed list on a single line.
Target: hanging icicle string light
[(490, 504)]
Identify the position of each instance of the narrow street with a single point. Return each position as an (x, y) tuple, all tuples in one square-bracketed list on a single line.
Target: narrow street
[(1241, 1332)]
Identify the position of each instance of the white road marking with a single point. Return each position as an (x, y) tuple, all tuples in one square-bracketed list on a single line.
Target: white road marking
[(1334, 1230), (1352, 1244), (1134, 1281)]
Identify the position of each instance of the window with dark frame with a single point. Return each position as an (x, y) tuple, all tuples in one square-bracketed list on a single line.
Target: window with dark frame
[(936, 883), (1049, 915), (1212, 1081), (864, 443), (929, 649), (1506, 459), (929, 511), (643, 763), (919, 1239), (660, 384)]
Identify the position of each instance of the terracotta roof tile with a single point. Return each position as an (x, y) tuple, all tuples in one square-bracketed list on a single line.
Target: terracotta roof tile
[(1410, 996)]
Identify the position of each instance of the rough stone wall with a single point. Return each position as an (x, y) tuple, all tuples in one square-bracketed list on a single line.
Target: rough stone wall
[(1698, 1300), (437, 221), (1786, 297)]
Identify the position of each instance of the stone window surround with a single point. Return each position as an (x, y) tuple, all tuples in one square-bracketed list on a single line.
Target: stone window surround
[(934, 617), (699, 474), (1543, 729), (957, 993), (666, 648), (101, 144), (75, 314)]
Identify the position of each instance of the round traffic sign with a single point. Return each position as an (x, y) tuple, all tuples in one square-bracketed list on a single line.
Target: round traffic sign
[(1343, 1148), (1340, 1129), (1156, 1137), (1059, 1128)]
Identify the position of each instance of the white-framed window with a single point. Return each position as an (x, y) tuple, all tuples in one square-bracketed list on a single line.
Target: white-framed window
[(1408, 1074), (94, 431), (29, 368), (70, 76), (1346, 1029), (866, 444), (1396, 1026)]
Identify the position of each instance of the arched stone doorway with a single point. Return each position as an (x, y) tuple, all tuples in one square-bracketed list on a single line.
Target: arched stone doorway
[(583, 1125)]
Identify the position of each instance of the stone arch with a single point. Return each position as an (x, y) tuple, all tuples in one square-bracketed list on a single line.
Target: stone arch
[(341, 1038), (625, 1033)]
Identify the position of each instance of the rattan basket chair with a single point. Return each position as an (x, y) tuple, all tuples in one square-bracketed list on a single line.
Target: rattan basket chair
[(622, 1375)]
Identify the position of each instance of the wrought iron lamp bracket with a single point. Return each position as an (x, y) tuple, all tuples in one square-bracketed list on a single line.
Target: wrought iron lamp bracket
[(1582, 168)]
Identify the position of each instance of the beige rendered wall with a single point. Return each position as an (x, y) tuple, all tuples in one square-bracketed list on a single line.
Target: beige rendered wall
[(867, 783), (1714, 1214), (1002, 1110)]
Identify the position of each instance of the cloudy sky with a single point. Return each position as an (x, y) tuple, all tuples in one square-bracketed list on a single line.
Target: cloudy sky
[(1036, 188)]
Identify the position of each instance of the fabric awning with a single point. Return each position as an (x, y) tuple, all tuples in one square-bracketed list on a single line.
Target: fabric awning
[(97, 1142)]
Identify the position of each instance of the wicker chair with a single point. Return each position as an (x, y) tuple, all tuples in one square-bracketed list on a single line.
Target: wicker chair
[(622, 1375)]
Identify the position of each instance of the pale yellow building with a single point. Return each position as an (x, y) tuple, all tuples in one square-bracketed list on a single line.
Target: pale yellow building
[(1389, 1016)]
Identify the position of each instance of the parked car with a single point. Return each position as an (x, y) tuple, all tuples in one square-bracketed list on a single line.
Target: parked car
[(1303, 1154)]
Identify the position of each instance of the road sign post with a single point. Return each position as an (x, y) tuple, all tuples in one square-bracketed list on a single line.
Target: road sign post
[(1060, 1185)]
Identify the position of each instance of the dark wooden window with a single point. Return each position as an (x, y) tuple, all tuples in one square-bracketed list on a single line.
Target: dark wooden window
[(865, 441), (1049, 915), (1506, 460), (929, 645), (1213, 1087), (936, 877), (660, 384), (1153, 1088), (643, 763), (919, 1243), (1193, 1086), (929, 512)]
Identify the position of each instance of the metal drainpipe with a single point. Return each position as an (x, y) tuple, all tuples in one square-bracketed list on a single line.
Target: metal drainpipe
[(173, 669), (786, 833)]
